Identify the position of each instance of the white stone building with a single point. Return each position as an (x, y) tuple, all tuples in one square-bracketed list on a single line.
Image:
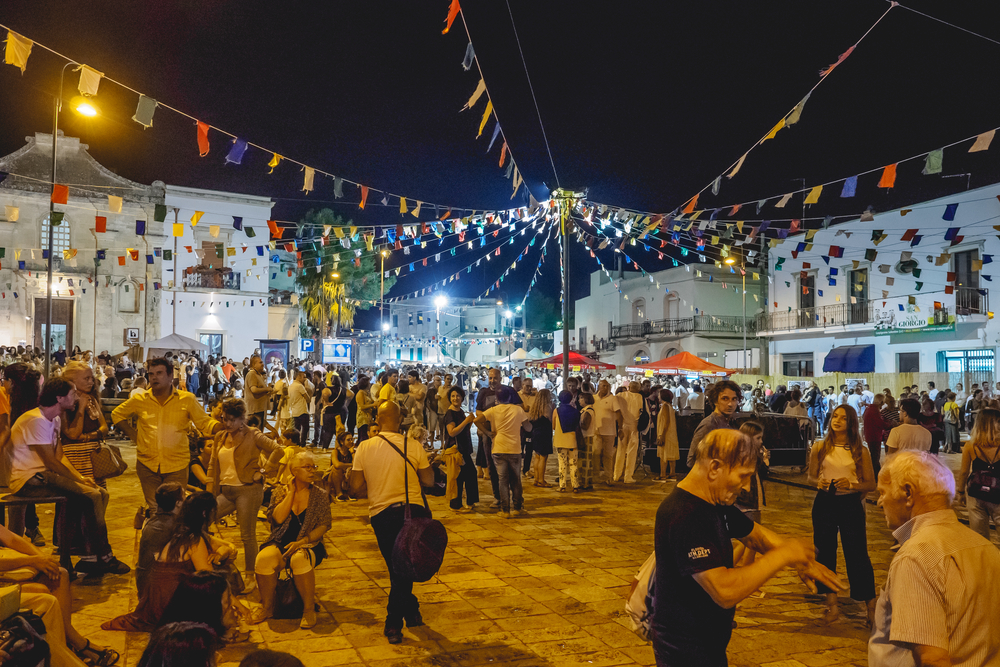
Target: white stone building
[(917, 306), (629, 318), (471, 331)]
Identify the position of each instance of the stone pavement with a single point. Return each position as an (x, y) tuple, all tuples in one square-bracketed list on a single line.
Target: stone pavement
[(545, 589)]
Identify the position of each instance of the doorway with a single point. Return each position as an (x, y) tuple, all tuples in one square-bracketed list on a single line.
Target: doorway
[(62, 324)]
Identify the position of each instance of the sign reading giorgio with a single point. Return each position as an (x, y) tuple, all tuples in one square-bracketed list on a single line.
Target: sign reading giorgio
[(911, 320)]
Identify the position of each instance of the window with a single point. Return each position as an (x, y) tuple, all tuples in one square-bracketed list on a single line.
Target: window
[(908, 362), (395, 321), (411, 354), (399, 354), (671, 307), (582, 345), (967, 286), (639, 311), (214, 342), (859, 296), (670, 351), (797, 365), (420, 354), (60, 237), (410, 322), (807, 290), (128, 297)]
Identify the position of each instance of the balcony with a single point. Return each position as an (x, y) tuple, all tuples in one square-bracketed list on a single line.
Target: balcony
[(214, 280), (602, 345), (967, 301), (724, 324)]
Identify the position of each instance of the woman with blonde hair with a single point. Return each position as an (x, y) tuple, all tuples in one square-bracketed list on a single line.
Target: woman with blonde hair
[(980, 455), (841, 468), (667, 446), (84, 426)]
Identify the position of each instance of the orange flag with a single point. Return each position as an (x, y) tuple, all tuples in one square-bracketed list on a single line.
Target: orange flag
[(273, 226), (60, 194), (691, 204), (888, 179), (202, 139), (364, 196), (503, 153), (452, 15)]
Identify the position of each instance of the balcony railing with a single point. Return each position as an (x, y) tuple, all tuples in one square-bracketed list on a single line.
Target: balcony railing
[(968, 301), (725, 324), (211, 279), (603, 345)]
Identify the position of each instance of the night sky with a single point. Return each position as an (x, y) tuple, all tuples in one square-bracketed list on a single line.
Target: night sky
[(644, 102)]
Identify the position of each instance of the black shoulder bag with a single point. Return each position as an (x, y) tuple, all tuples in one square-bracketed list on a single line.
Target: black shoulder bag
[(419, 548), (985, 484)]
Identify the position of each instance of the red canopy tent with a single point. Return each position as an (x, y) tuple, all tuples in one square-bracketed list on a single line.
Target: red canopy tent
[(684, 363), (577, 362)]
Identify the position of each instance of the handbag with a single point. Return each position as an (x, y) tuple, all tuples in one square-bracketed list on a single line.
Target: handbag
[(21, 639), (107, 461), (985, 484), (419, 548), (287, 601)]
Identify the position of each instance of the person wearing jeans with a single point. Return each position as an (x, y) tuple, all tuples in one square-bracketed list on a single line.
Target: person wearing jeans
[(506, 420), (298, 406), (39, 468), (380, 473), (234, 472)]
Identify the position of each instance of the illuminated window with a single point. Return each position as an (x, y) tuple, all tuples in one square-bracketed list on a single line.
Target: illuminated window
[(60, 237)]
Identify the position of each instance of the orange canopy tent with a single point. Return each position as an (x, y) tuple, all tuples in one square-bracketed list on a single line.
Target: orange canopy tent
[(684, 363), (577, 362)]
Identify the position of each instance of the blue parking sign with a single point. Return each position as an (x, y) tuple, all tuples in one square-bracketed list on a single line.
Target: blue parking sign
[(308, 345)]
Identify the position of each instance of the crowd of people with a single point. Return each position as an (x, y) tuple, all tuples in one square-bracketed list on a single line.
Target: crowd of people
[(247, 442)]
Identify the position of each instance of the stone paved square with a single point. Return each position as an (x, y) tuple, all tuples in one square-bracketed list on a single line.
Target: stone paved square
[(545, 589)]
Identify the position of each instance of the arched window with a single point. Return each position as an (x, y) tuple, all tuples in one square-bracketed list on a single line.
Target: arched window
[(128, 297), (640, 357), (671, 307), (669, 351), (639, 311)]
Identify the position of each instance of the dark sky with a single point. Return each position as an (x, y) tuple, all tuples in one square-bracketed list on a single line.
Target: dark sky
[(644, 102)]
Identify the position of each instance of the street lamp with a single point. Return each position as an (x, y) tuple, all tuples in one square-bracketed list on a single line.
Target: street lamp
[(743, 269), (440, 301), (84, 108)]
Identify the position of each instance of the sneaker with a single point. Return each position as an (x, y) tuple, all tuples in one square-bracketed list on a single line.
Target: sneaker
[(414, 620), (36, 537), (520, 512), (393, 633), (87, 566)]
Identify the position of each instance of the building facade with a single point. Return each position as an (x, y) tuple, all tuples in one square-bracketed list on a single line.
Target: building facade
[(631, 318), (468, 330), (908, 290), (120, 276)]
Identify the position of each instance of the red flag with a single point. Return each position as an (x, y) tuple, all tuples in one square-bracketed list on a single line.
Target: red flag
[(910, 233), (273, 226), (794, 227), (121, 260), (202, 139), (364, 196), (452, 15), (949, 289), (101, 224), (425, 261), (134, 254), (60, 194), (445, 216), (952, 276)]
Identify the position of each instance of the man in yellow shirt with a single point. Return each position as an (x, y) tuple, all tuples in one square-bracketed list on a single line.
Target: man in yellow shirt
[(161, 435), (388, 390)]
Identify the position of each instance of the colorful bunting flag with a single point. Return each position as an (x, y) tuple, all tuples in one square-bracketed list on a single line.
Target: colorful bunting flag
[(114, 204), (888, 179), (236, 152), (202, 139), (850, 187), (144, 111), (934, 163), (19, 49), (982, 142)]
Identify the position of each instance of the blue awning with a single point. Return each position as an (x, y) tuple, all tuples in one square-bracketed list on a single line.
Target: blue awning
[(850, 359)]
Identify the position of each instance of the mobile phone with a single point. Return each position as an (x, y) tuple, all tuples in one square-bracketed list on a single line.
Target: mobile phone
[(833, 487)]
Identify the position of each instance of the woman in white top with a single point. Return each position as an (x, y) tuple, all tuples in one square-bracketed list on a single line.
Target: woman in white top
[(841, 468)]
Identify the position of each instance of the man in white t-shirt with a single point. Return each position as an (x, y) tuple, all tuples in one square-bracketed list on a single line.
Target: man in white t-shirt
[(628, 438), (856, 400), (380, 473), (39, 469), (931, 391), (608, 414), (503, 423), (298, 406), (909, 434)]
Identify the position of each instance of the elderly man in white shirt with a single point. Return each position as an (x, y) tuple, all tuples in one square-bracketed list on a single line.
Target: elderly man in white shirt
[(941, 601), (628, 438)]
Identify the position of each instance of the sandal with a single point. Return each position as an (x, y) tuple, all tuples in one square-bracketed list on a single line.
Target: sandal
[(105, 658), (237, 636), (543, 484), (260, 616)]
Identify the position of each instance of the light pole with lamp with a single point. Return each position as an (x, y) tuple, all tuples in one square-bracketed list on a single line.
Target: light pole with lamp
[(440, 301), (84, 108), (730, 261)]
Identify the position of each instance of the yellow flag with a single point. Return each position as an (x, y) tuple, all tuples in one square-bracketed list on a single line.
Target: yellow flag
[(307, 181), (12, 213), (810, 233), (739, 226), (114, 204), (18, 50), (756, 276), (90, 79), (339, 231), (275, 159), (255, 261), (230, 251), (402, 205), (69, 253), (214, 231), (813, 196), (196, 217), (416, 211), (354, 230), (715, 240), (178, 229), (486, 117), (774, 130)]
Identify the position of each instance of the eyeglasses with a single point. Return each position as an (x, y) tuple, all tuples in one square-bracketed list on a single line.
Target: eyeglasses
[(309, 467)]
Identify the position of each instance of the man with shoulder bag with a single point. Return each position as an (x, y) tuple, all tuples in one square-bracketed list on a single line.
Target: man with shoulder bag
[(390, 472)]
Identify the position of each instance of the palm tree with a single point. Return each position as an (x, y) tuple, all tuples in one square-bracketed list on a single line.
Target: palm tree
[(322, 305)]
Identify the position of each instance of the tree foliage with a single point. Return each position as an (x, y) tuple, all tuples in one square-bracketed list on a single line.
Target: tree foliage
[(321, 291), (543, 313)]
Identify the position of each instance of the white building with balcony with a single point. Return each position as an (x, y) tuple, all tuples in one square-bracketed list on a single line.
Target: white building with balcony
[(471, 331), (629, 318), (118, 286), (919, 305)]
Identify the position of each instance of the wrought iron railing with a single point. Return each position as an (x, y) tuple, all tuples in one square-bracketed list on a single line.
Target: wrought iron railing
[(724, 324), (212, 279)]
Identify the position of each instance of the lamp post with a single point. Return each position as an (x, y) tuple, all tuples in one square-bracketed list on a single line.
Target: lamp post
[(440, 301), (85, 108), (743, 269), (510, 324)]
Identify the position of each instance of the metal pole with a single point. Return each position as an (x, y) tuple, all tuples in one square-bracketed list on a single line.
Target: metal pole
[(381, 316), (97, 263), (173, 324), (57, 104), (564, 249), (744, 270), (340, 297)]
